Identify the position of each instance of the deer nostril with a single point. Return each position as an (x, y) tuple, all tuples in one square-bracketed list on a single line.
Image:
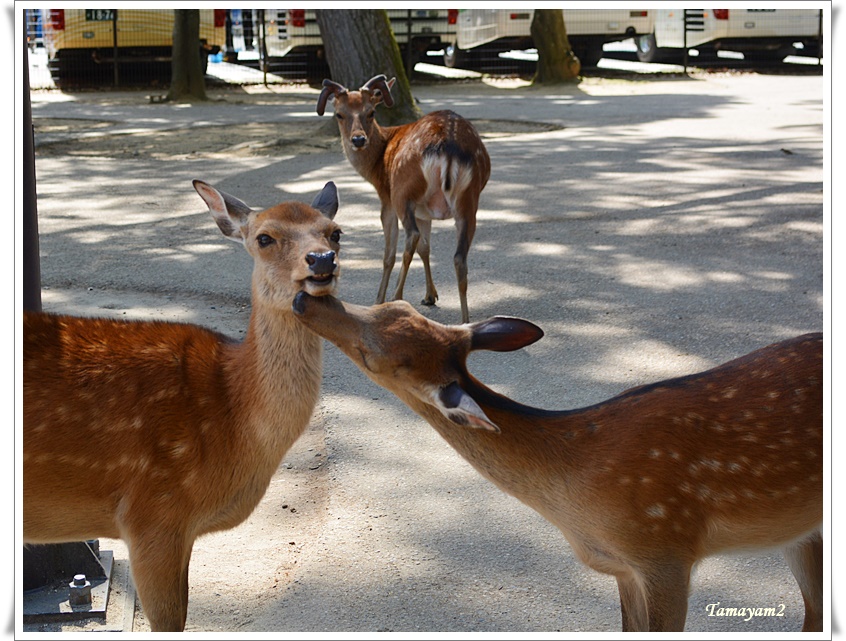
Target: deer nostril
[(321, 263), (359, 141)]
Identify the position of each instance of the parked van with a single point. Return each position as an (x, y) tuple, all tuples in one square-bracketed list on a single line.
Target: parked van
[(489, 32), (417, 31), (763, 35), (80, 40)]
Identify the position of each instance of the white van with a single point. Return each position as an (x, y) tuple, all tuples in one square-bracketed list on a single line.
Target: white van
[(761, 35), (489, 32), (290, 31)]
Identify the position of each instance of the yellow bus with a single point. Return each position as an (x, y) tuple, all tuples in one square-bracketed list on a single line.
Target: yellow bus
[(85, 40)]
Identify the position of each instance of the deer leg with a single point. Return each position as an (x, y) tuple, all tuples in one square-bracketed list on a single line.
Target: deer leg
[(412, 237), (159, 565), (466, 228), (632, 605), (390, 228), (805, 560), (423, 249), (666, 590)]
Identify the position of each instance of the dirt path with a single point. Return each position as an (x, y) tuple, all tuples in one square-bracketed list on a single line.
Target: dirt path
[(652, 228)]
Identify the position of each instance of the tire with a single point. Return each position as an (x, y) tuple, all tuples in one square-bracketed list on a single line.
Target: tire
[(453, 56), (648, 51)]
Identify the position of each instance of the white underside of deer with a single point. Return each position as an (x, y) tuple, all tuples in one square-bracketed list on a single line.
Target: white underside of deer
[(643, 485), (157, 433)]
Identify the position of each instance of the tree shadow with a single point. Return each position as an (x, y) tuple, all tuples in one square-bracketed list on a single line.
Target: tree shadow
[(641, 257)]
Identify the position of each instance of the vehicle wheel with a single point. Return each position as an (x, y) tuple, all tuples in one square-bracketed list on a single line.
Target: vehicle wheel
[(648, 51), (453, 56)]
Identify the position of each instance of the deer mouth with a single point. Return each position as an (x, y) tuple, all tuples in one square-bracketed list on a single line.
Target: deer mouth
[(321, 278), (320, 284)]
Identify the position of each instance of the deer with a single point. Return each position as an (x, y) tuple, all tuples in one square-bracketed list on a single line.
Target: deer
[(642, 485), (434, 168), (158, 432)]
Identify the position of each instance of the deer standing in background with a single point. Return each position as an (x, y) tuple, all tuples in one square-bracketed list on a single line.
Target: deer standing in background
[(642, 485), (157, 433), (431, 169)]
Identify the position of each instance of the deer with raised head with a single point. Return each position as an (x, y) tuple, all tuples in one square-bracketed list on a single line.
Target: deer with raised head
[(431, 169), (642, 485), (157, 432)]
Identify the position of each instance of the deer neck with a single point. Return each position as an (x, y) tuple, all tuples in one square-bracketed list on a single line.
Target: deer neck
[(371, 162), (277, 371), (523, 443)]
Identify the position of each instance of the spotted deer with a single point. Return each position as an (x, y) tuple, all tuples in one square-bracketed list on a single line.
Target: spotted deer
[(158, 432), (642, 485), (431, 169)]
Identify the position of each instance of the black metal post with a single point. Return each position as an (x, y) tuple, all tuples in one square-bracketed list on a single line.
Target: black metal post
[(115, 47), (31, 259), (43, 563), (409, 54), (263, 61)]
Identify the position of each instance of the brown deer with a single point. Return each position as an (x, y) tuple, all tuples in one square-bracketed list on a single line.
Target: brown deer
[(431, 169), (156, 432), (642, 485)]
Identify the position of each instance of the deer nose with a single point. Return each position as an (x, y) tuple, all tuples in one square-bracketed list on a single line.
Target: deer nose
[(359, 141), (321, 264)]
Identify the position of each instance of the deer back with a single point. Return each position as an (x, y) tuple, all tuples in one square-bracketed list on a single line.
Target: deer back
[(109, 402)]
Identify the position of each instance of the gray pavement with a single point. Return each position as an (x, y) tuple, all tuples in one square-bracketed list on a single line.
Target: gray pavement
[(670, 224)]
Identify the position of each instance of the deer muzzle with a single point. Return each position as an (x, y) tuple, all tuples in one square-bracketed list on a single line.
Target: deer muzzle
[(326, 316), (322, 266)]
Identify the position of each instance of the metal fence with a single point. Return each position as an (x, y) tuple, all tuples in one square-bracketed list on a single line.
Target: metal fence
[(133, 46), (114, 46), (125, 47)]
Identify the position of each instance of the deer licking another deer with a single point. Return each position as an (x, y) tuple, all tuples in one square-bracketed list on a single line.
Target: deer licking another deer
[(431, 169), (642, 485), (157, 433)]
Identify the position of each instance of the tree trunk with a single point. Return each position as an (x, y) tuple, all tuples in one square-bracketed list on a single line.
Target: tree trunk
[(556, 61), (188, 81), (359, 44)]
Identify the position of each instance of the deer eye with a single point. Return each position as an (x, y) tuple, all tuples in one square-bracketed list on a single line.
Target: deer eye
[(264, 240), (370, 115), (339, 116), (336, 236)]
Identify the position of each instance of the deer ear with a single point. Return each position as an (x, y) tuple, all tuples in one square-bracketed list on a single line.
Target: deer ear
[(504, 334), (459, 407), (326, 202), (380, 90), (228, 212)]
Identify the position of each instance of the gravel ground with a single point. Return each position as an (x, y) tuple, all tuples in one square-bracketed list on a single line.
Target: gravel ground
[(652, 227)]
